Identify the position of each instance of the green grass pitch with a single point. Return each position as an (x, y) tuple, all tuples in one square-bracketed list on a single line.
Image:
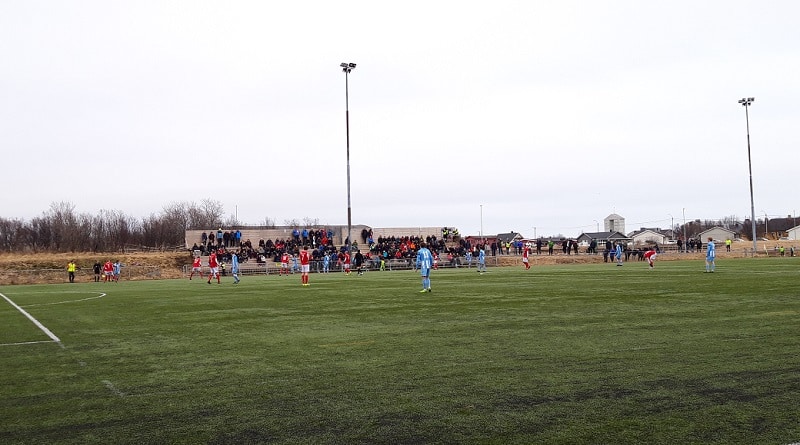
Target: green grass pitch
[(576, 354)]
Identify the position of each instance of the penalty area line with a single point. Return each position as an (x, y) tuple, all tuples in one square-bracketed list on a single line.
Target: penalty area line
[(35, 321)]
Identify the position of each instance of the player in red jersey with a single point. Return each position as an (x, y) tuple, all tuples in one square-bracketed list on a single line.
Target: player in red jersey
[(305, 265), (650, 256), (197, 266), (525, 258), (214, 266), (108, 271), (347, 263), (285, 264)]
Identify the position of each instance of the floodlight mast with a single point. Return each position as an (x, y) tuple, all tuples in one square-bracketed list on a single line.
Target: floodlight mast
[(347, 67), (746, 102)]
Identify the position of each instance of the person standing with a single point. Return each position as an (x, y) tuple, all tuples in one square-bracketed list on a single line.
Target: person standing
[(358, 259), (711, 255), (117, 268), (618, 254), (424, 263), (235, 267), (728, 245), (650, 256), (108, 271), (346, 262), (214, 266), (525, 257), (326, 263), (97, 268), (305, 265), (71, 268), (481, 260), (197, 266), (284, 264)]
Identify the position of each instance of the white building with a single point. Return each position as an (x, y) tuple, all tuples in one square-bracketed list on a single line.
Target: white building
[(614, 223)]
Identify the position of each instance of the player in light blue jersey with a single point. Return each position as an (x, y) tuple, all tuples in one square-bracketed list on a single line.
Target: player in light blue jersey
[(481, 260), (116, 269), (424, 263), (235, 268), (618, 254), (326, 263), (711, 255)]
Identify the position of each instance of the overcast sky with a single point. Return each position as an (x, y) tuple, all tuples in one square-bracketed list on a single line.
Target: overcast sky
[(505, 115)]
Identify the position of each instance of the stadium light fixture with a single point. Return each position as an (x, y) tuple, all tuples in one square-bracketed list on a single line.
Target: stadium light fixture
[(746, 102), (346, 68)]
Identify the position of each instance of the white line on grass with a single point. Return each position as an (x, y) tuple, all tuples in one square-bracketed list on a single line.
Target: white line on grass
[(102, 294), (35, 321), (113, 388)]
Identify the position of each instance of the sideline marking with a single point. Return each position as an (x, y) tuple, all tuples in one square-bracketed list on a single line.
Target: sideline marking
[(35, 321)]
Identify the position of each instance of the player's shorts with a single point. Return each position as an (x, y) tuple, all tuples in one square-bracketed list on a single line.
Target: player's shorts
[(524, 260), (425, 271), (108, 274), (214, 270), (346, 266), (284, 265), (197, 269), (305, 268)]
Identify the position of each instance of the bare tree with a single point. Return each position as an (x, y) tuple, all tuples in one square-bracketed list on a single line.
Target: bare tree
[(310, 222)]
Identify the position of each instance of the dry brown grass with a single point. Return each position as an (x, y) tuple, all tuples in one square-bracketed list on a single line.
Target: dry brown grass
[(40, 268)]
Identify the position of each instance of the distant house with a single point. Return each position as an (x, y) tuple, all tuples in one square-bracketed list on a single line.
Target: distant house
[(601, 237), (779, 227), (793, 233), (717, 234), (648, 236), (510, 237)]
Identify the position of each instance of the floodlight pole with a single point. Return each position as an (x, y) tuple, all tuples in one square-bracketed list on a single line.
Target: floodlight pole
[(482, 239), (346, 68), (685, 239), (746, 102)]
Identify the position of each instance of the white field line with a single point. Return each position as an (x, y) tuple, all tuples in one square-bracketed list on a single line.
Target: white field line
[(35, 321), (113, 388), (67, 301)]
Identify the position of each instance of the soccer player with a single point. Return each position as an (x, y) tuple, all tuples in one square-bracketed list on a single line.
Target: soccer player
[(305, 265), (108, 271), (711, 255), (117, 268), (347, 263), (650, 256), (235, 267), (424, 263), (197, 266), (468, 257), (326, 263), (618, 254), (525, 257), (214, 266), (284, 264), (481, 260)]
